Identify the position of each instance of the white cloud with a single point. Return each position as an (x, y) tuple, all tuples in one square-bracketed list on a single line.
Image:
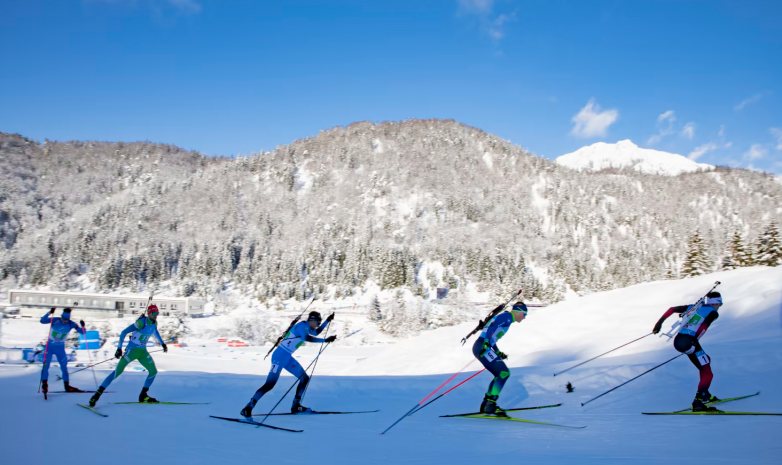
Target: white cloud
[(722, 131), (493, 25), (591, 122), (688, 131), (664, 130), (669, 115), (755, 152), (747, 101), (777, 134), (701, 150)]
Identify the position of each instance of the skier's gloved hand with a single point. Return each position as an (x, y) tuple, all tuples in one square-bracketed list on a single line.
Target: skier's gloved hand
[(331, 339), (81, 322), (118, 353), (657, 327), (502, 355), (330, 318), (52, 310), (165, 349)]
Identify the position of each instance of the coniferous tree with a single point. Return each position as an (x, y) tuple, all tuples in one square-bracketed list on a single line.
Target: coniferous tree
[(696, 261), (769, 249)]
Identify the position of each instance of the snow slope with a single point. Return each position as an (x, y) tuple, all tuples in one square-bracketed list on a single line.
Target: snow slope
[(745, 344), (626, 155)]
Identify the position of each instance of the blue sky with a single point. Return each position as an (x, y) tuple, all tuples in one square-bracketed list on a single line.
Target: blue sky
[(699, 78)]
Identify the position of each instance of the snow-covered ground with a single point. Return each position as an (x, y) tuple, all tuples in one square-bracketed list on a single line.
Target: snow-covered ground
[(745, 344), (626, 155)]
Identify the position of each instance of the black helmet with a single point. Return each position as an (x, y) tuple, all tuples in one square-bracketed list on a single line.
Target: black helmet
[(315, 316)]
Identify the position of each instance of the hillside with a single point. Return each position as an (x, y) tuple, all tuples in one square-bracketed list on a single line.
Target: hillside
[(411, 205)]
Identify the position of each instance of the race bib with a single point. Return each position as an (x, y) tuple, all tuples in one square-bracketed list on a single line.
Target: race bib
[(490, 355), (274, 368), (703, 358), (56, 336)]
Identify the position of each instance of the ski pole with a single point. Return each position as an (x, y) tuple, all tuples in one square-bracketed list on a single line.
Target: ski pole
[(46, 351), (587, 361), (412, 410), (645, 372), (482, 323), (107, 360), (295, 320), (297, 379), (446, 392), (328, 326), (89, 357)]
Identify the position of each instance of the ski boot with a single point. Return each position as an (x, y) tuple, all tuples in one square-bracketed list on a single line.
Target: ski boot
[(489, 406), (699, 406), (706, 397), (247, 411), (69, 388), (144, 397), (296, 407), (44, 387), (96, 396)]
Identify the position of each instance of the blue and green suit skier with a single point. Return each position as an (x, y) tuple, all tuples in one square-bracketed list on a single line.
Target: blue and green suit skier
[(141, 331), (486, 351), (282, 358), (60, 327)]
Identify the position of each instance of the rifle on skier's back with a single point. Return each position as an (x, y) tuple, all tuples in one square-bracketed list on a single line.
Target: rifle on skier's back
[(685, 317), (491, 315), (293, 323)]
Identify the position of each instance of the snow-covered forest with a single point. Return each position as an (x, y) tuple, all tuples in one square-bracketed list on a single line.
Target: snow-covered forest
[(407, 206)]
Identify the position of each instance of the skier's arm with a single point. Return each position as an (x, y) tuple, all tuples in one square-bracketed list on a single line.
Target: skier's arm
[(124, 333), (309, 338), (46, 319), (159, 339), (669, 312), (709, 319), (321, 327)]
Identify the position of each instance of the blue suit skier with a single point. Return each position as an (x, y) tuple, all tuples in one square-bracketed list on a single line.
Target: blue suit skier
[(486, 351), (60, 327), (282, 358)]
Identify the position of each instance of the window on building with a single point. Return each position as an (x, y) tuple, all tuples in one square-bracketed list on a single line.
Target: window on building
[(94, 303), (30, 299), (165, 313), (57, 300), (132, 304), (173, 307), (142, 305), (163, 306), (17, 299), (43, 300), (81, 301)]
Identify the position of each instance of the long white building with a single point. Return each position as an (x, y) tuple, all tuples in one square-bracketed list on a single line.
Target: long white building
[(35, 303)]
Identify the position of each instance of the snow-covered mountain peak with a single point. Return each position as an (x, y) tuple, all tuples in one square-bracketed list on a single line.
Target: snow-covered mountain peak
[(626, 155)]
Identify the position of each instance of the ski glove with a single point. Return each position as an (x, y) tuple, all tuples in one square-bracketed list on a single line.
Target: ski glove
[(502, 355), (52, 310), (81, 322), (165, 349), (331, 339), (330, 318), (118, 353), (657, 327)]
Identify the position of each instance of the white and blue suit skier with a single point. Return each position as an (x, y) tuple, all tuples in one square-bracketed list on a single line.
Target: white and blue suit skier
[(60, 327), (282, 358)]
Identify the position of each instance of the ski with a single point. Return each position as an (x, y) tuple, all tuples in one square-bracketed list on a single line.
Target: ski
[(315, 413), (721, 401), (79, 392), (718, 412), (92, 410), (255, 423), (493, 417), (507, 410), (160, 403)]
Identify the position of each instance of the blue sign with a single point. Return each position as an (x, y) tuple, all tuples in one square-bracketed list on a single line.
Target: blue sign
[(93, 341)]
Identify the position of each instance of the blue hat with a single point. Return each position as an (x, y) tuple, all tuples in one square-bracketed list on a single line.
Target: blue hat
[(66, 313), (519, 307)]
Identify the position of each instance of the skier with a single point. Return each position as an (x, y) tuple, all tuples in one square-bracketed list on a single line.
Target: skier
[(283, 358), (60, 327), (686, 342), (144, 328), (486, 351)]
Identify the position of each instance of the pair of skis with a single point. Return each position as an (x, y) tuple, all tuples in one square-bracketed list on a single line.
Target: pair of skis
[(688, 411), (93, 410), (255, 423), (487, 416)]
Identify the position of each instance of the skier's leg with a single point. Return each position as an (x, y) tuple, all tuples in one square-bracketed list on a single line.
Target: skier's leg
[(294, 367), (62, 359), (494, 364), (271, 380), (146, 361), (123, 362), (46, 362)]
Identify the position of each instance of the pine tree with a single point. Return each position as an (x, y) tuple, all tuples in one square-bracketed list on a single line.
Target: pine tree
[(696, 262), (375, 313), (737, 256), (769, 249)]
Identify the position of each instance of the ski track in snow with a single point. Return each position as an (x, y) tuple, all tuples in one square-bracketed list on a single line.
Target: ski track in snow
[(745, 344)]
